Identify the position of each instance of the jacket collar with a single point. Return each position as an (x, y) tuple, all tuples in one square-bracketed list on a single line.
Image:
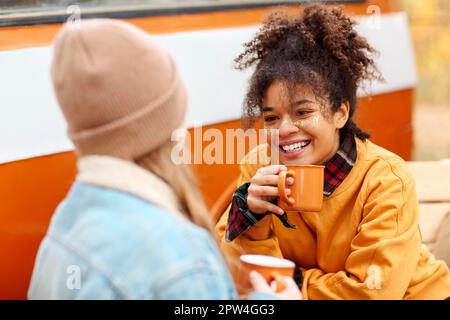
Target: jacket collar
[(114, 173)]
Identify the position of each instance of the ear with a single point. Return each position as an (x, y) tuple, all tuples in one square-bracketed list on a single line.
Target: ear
[(341, 115)]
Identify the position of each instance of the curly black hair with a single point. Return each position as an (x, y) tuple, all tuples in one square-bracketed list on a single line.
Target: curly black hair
[(318, 47)]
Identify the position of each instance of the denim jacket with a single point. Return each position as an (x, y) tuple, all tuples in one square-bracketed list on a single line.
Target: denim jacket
[(119, 234)]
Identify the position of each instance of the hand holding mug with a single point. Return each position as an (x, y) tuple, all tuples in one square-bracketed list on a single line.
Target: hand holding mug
[(289, 292), (264, 188), (270, 275)]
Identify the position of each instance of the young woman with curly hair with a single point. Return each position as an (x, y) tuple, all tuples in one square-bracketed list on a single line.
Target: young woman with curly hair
[(365, 243)]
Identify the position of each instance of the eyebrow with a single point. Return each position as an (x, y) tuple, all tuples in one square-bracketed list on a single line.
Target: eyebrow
[(302, 101), (296, 103)]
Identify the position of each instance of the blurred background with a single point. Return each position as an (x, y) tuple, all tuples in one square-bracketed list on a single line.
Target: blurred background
[(430, 28)]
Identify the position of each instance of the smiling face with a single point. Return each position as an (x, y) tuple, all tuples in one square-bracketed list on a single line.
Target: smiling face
[(308, 131)]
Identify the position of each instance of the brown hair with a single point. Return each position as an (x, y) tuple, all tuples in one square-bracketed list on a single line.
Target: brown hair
[(182, 181), (318, 47)]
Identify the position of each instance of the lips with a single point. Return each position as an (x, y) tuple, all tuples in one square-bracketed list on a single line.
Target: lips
[(292, 149), (294, 146)]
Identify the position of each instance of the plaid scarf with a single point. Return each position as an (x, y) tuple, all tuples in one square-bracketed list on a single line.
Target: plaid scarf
[(337, 168), (340, 165)]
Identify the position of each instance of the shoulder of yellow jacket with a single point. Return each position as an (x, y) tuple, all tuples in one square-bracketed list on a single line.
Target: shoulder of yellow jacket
[(384, 162)]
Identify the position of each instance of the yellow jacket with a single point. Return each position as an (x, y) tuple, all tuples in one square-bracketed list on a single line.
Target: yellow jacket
[(365, 243)]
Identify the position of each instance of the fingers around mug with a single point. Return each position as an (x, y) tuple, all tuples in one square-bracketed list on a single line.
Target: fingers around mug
[(292, 290), (280, 282), (272, 169), (258, 282), (274, 286), (264, 191), (282, 191), (270, 180), (290, 282), (257, 205), (266, 180)]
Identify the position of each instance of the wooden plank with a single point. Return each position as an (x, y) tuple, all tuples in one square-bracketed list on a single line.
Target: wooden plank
[(432, 180), (431, 217)]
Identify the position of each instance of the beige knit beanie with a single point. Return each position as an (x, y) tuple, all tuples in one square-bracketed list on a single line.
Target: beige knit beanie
[(120, 93)]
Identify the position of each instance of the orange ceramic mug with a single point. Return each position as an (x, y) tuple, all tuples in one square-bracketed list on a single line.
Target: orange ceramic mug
[(271, 268), (307, 190)]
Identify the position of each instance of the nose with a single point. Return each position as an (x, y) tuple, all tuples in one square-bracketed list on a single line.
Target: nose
[(287, 128)]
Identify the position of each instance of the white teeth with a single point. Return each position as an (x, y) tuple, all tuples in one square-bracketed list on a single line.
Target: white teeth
[(295, 146)]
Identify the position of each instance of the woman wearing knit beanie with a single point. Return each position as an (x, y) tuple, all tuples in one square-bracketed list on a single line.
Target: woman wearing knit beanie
[(133, 224)]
